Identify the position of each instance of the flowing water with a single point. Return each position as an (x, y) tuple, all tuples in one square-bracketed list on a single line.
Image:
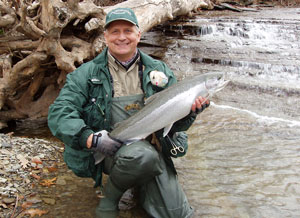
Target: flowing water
[(244, 151)]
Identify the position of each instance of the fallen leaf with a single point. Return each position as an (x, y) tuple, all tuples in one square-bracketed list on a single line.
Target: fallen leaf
[(48, 182), (45, 171), (23, 160), (36, 160), (35, 176), (33, 194), (52, 169), (26, 205), (33, 212)]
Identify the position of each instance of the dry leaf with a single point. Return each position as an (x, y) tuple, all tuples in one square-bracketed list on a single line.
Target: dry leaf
[(23, 160), (52, 169), (36, 160), (26, 205), (35, 176), (48, 182), (33, 212)]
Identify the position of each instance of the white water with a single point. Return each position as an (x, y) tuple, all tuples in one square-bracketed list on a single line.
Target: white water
[(260, 118)]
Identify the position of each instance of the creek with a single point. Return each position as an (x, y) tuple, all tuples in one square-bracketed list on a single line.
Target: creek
[(244, 150)]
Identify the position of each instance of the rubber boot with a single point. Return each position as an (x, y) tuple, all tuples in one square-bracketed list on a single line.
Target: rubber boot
[(106, 214), (111, 198)]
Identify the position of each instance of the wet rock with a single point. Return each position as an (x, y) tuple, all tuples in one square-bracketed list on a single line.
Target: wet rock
[(6, 145), (5, 162), (21, 190), (2, 172), (8, 200), (34, 199), (3, 180), (49, 201)]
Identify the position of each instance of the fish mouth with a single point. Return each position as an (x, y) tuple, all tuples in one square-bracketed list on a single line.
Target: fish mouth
[(216, 83), (222, 85)]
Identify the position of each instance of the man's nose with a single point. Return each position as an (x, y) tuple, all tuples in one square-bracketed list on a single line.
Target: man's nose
[(122, 36)]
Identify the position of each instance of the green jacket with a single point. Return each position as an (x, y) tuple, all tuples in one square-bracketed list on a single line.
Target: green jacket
[(84, 107)]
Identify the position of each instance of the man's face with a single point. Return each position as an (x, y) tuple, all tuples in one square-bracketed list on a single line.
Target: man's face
[(122, 38)]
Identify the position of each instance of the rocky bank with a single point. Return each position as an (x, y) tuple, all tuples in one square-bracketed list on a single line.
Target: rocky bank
[(28, 165)]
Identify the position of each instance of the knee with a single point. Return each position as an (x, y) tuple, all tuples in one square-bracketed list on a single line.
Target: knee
[(135, 164), (147, 158)]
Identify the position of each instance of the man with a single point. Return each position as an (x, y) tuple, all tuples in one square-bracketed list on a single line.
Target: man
[(105, 91)]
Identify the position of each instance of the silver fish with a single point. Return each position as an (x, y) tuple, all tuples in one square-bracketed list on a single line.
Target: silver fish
[(168, 106)]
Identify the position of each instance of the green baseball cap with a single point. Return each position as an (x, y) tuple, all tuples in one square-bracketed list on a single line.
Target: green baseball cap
[(121, 14)]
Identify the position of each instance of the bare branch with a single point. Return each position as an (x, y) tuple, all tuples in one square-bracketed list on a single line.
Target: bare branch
[(10, 46), (80, 49), (24, 68), (7, 20)]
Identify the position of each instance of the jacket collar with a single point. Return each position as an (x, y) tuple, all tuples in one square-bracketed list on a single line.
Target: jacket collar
[(101, 59)]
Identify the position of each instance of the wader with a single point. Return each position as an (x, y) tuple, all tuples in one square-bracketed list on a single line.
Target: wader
[(139, 165)]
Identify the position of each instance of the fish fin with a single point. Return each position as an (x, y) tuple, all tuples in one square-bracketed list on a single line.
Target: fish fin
[(167, 129), (151, 98)]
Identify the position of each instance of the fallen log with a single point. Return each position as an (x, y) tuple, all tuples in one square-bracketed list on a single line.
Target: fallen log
[(43, 41)]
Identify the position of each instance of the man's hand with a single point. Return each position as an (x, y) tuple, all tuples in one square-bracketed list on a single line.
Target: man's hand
[(200, 104), (100, 141)]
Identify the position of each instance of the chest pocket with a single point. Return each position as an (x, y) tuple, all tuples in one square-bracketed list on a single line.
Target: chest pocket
[(94, 111)]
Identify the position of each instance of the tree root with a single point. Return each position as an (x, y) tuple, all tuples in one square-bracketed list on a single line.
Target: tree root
[(42, 41)]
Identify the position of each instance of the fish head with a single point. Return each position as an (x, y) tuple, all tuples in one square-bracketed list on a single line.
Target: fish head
[(214, 82)]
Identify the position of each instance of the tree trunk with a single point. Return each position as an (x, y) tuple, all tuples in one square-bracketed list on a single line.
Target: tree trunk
[(41, 41)]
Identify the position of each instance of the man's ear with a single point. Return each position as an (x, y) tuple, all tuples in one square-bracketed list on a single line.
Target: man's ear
[(139, 36), (104, 34)]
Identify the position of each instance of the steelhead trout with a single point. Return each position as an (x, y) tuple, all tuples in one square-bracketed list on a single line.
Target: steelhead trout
[(166, 107)]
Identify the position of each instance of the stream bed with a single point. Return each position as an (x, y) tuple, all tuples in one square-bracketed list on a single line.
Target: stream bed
[(244, 150)]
